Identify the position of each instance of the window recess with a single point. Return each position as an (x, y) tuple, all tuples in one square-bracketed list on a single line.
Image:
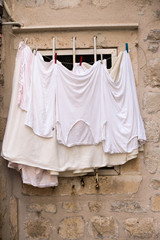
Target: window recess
[(65, 56)]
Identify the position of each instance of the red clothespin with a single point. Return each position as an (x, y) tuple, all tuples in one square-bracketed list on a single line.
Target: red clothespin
[(81, 61), (55, 57)]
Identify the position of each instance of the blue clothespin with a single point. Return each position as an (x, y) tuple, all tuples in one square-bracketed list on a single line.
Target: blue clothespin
[(127, 47)]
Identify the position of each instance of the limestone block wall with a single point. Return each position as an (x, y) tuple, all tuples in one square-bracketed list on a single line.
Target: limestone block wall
[(126, 206)]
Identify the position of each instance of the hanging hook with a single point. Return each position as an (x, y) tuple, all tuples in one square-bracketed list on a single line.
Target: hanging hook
[(97, 180), (82, 182), (53, 46), (26, 40), (74, 50), (95, 50), (101, 59)]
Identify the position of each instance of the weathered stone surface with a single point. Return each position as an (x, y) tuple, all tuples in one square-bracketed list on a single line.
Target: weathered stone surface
[(140, 228), (102, 3), (153, 39), (151, 165), (142, 5), (153, 46), (104, 227), (154, 35), (155, 184), (71, 228), (95, 206), (59, 4), (152, 158), (1, 80), (108, 185), (50, 208), (157, 13), (153, 72), (127, 206), (2, 188), (130, 167), (37, 229), (35, 191), (3, 210), (1, 102), (151, 102), (2, 127), (34, 208), (33, 3), (72, 206), (152, 130), (120, 184), (13, 218), (155, 203)]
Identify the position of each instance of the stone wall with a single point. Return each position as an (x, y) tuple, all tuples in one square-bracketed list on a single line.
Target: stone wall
[(126, 206)]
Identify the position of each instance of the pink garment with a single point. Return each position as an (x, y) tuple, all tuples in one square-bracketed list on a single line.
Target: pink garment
[(35, 176), (24, 76)]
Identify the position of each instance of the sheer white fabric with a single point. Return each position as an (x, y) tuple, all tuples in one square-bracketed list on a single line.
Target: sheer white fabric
[(24, 76), (78, 106), (41, 110)]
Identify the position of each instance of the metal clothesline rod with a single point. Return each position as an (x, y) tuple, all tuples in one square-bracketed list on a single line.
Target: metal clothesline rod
[(123, 26), (16, 24)]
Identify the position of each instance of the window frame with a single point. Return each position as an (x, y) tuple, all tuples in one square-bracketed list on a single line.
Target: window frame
[(82, 51)]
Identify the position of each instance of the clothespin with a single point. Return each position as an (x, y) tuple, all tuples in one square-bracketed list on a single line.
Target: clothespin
[(55, 58), (80, 63), (126, 47)]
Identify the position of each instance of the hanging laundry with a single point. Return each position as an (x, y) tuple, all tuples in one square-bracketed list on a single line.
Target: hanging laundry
[(78, 106), (24, 76), (21, 146), (122, 128), (41, 108)]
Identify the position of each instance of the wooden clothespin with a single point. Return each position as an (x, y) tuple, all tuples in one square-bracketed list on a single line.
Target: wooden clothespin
[(80, 63), (55, 58), (126, 47)]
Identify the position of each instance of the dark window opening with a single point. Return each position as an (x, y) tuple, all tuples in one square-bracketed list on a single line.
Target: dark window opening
[(67, 60)]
